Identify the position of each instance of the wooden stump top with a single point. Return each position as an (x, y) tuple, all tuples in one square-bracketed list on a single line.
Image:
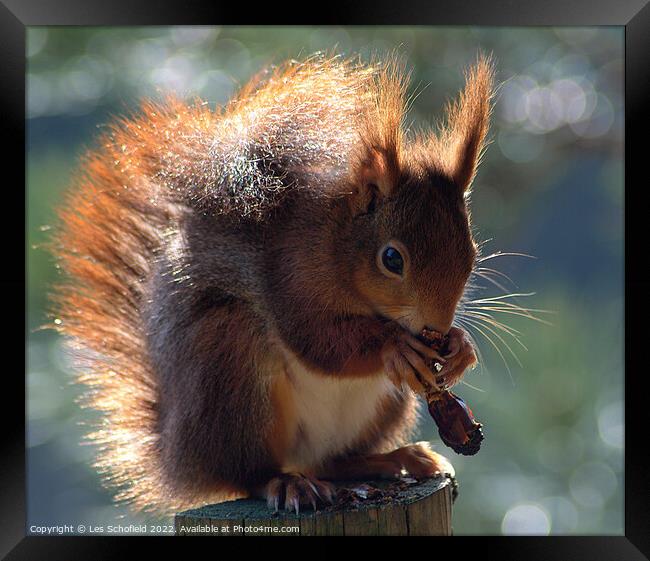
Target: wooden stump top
[(419, 509)]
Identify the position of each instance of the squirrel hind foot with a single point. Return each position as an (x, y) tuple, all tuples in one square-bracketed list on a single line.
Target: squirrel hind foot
[(293, 490)]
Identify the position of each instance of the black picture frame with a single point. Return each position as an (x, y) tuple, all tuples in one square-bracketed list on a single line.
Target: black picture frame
[(634, 15)]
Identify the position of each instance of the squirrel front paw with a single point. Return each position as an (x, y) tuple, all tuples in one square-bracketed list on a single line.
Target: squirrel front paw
[(296, 489), (403, 357), (459, 357)]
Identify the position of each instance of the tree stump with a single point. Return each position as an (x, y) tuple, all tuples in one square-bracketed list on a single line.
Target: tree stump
[(403, 508)]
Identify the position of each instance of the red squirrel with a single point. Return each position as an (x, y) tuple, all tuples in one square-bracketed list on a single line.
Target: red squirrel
[(246, 284)]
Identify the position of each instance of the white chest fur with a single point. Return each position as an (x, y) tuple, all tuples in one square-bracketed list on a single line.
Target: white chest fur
[(331, 412)]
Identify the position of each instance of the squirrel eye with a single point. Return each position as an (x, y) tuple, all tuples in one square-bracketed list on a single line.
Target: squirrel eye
[(392, 260)]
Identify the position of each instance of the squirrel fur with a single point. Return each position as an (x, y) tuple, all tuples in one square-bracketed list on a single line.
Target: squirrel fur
[(224, 285)]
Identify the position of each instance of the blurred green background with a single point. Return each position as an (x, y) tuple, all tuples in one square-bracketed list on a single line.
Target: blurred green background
[(551, 186)]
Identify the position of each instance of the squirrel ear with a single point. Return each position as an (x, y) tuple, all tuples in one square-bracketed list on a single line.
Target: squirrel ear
[(376, 169), (375, 179), (463, 139)]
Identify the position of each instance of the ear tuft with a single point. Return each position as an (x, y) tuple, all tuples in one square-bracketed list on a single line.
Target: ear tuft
[(376, 170), (462, 139)]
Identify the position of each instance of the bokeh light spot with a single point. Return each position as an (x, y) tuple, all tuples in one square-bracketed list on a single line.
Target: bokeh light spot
[(526, 519), (592, 484), (611, 424)]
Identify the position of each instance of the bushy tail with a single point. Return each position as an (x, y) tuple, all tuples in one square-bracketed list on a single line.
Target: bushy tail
[(111, 229), (105, 246)]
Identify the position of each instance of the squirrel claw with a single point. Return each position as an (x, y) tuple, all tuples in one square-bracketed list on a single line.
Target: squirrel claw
[(295, 489), (292, 504)]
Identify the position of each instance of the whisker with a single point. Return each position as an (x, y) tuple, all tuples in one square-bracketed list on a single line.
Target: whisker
[(504, 296), (504, 254), (499, 304), (509, 306), (488, 325), (480, 245), (512, 330), (489, 279), (477, 313), (515, 312), (496, 334), (499, 273), (471, 386), (489, 320), (468, 329), (491, 341)]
